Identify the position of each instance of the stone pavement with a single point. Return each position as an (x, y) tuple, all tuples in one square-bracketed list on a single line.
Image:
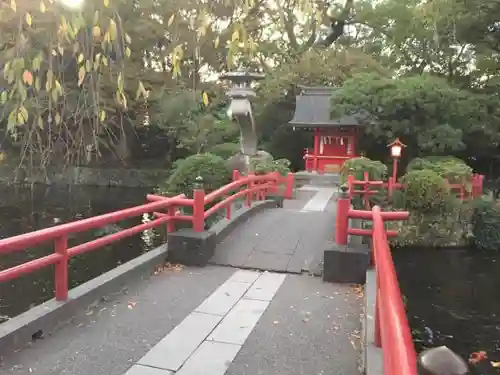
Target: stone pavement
[(201, 321), (290, 239), (213, 321)]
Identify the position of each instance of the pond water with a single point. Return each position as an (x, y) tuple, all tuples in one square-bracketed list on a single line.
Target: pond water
[(25, 209), (452, 299)]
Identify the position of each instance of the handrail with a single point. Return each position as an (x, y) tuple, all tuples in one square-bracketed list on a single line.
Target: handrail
[(21, 241), (476, 184), (258, 185), (392, 330)]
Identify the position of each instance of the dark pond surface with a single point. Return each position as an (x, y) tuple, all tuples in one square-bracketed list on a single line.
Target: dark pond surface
[(24, 209), (453, 299)]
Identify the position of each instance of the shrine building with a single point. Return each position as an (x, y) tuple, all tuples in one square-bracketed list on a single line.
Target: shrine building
[(335, 140)]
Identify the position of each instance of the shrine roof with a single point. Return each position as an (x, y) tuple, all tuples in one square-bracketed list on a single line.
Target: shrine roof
[(312, 109)]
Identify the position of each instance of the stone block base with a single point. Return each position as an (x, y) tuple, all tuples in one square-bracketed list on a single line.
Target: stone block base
[(346, 264), (278, 199), (191, 248)]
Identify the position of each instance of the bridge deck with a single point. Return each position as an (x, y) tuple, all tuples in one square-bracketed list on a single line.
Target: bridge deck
[(215, 320), (289, 239)]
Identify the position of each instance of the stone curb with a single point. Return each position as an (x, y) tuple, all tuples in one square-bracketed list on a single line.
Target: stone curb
[(371, 360)]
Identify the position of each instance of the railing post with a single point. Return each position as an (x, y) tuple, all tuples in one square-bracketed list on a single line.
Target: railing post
[(236, 175), (390, 187), (475, 185), (366, 190), (199, 206), (289, 183), (342, 219), (61, 269), (171, 223)]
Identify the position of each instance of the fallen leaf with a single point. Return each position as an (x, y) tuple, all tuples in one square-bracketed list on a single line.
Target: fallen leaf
[(476, 357), (131, 305), (495, 364), (168, 267), (28, 77)]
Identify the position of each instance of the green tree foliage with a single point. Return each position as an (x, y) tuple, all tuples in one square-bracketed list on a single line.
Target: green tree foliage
[(212, 169), (377, 171), (450, 168), (190, 125), (268, 166), (225, 150), (79, 84), (486, 225), (425, 191), (429, 115)]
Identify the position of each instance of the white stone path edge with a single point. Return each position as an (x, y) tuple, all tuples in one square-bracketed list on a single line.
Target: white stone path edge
[(320, 200), (209, 338)]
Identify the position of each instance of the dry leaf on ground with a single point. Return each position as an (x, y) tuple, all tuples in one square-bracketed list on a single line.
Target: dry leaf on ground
[(168, 267)]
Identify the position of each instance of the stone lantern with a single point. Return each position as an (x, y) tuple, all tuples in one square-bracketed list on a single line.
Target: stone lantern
[(240, 111)]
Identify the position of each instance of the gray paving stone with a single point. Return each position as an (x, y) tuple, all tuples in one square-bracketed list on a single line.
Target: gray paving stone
[(320, 200), (171, 352), (145, 370), (267, 261), (211, 358), (224, 298), (309, 328), (307, 262), (265, 288), (230, 256), (283, 239), (280, 242), (245, 276), (237, 325)]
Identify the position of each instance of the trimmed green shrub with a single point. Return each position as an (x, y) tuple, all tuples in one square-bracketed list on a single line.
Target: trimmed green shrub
[(449, 167), (376, 170), (212, 168), (225, 150), (486, 225), (280, 165), (425, 191)]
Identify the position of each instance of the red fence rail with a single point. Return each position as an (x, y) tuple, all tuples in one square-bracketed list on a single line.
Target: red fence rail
[(392, 331), (367, 187), (251, 187)]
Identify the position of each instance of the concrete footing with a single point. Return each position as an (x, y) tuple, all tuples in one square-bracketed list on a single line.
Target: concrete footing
[(346, 264)]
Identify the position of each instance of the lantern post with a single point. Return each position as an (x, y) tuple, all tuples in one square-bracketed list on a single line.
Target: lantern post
[(396, 148)]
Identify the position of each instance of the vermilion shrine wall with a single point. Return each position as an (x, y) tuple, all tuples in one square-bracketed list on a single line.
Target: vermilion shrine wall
[(331, 149)]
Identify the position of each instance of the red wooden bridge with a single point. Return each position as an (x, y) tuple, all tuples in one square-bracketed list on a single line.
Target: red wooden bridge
[(253, 307)]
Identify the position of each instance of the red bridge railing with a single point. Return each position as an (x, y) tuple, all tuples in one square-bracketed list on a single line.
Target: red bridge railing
[(366, 187), (392, 331), (252, 187)]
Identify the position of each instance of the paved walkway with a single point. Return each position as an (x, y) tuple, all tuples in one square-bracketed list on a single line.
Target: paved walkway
[(290, 239), (210, 321)]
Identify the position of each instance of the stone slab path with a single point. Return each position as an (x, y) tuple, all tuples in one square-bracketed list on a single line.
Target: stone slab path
[(290, 239), (209, 321)]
